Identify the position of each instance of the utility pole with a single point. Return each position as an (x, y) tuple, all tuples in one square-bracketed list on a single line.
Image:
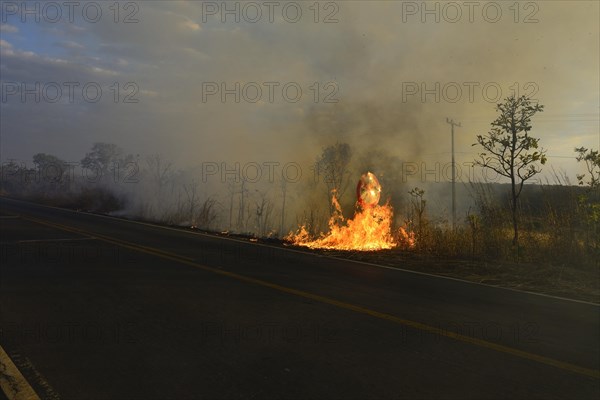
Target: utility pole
[(452, 125)]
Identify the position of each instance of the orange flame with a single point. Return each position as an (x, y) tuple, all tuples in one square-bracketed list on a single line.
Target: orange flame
[(370, 229)]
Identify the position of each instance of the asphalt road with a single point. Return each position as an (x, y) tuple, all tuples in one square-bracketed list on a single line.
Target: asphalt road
[(94, 307)]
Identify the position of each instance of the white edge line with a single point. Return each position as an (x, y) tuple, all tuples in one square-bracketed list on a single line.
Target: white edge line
[(309, 253), (13, 383)]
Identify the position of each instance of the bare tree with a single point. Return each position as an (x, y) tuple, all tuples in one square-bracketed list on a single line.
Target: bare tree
[(332, 167), (510, 151), (283, 198), (232, 190), (191, 192), (160, 171), (418, 205), (160, 175), (207, 214), (242, 222), (178, 216), (264, 209)]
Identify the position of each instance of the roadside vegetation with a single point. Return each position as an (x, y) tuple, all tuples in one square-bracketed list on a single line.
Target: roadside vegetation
[(543, 237)]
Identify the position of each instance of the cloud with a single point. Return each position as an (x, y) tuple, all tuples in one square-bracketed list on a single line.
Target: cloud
[(7, 28), (149, 93), (69, 44), (191, 25), (6, 47)]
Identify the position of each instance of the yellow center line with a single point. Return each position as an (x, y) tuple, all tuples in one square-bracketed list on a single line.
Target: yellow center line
[(108, 239), (593, 373)]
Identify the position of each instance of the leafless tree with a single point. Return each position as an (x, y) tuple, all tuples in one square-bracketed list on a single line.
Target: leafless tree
[(283, 199), (264, 209), (207, 214), (242, 221), (160, 171), (191, 192), (332, 168)]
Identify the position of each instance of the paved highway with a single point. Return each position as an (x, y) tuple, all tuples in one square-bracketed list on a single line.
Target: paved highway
[(94, 307)]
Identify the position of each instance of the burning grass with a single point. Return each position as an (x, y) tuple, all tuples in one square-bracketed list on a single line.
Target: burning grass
[(557, 254), (369, 230)]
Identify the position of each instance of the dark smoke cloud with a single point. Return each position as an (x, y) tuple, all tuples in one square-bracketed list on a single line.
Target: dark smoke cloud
[(370, 53)]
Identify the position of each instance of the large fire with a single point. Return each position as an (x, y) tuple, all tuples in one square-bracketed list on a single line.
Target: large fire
[(370, 229)]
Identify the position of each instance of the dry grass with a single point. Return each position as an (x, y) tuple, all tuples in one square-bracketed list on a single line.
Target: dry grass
[(558, 252), (565, 281)]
